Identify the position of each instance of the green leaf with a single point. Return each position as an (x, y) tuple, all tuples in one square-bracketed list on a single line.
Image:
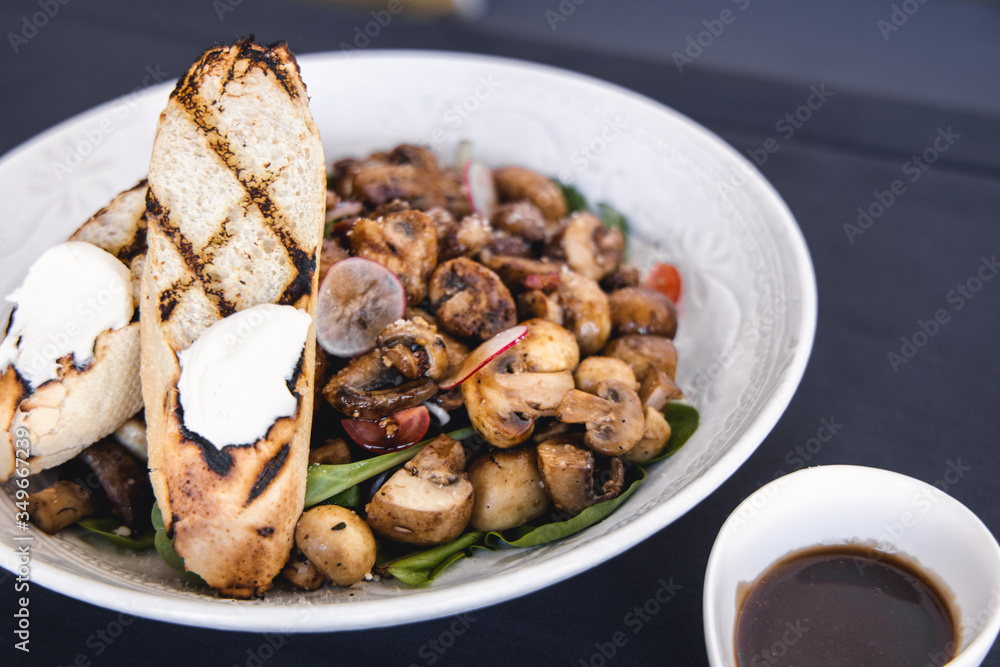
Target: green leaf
[(612, 219), (165, 546), (106, 527), (575, 201), (683, 420), (350, 498), (421, 567), (528, 536), (326, 481)]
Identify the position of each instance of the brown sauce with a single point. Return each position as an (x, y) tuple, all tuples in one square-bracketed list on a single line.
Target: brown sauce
[(844, 605)]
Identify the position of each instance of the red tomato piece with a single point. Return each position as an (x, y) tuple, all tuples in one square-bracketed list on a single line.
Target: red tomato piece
[(401, 430), (665, 278)]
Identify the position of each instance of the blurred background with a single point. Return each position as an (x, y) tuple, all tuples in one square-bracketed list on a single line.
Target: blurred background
[(896, 72)]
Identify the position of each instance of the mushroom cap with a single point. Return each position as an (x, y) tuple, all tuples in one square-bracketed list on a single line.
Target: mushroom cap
[(641, 310), (642, 353), (586, 309), (516, 183), (655, 435), (590, 248), (470, 299)]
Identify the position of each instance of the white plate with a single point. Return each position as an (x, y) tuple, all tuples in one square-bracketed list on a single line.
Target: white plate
[(748, 314)]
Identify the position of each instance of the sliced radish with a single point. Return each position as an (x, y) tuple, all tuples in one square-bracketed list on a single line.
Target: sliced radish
[(463, 154), (479, 188), (358, 298), (484, 354)]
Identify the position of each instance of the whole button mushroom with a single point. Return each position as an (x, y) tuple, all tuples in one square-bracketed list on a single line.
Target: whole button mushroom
[(509, 489), (338, 542), (640, 310), (524, 383), (405, 242), (471, 300), (517, 183)]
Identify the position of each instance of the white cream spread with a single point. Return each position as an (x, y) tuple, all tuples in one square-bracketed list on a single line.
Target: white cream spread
[(233, 377), (72, 293)]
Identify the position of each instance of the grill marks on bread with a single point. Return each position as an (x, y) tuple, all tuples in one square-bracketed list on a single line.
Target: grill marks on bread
[(256, 179)]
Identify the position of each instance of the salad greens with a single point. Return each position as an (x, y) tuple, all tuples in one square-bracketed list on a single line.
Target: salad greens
[(106, 527), (326, 481), (165, 546)]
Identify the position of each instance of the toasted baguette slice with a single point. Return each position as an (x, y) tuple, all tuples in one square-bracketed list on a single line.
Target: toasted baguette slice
[(235, 212), (64, 417)]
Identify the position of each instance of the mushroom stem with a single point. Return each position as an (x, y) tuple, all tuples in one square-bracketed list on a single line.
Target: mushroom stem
[(59, 505)]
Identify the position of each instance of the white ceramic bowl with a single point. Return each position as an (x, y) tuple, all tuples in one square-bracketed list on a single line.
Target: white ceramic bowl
[(748, 313), (843, 504)]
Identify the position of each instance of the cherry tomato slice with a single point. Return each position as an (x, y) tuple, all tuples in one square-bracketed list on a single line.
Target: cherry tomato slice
[(401, 430), (665, 278)]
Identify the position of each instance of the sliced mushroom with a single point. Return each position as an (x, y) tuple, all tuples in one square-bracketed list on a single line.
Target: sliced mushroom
[(427, 502), (368, 389), (526, 382), (457, 350), (613, 416), (408, 172), (503, 243), (568, 472), (453, 190), (658, 389), (641, 310), (522, 218), (125, 482), (643, 353), (301, 573), (590, 248), (342, 178), (520, 273), (442, 454), (59, 505), (547, 428), (404, 242), (537, 304), (333, 452), (509, 490), (338, 542), (655, 435), (448, 401), (464, 238), (594, 370), (516, 183), (585, 309), (414, 348), (470, 300)]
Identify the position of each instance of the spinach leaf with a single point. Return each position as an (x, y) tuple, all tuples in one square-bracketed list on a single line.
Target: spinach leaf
[(165, 546), (575, 201), (106, 527), (421, 567), (326, 481), (683, 420), (350, 498)]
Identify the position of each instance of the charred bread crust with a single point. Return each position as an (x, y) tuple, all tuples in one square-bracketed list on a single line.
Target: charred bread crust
[(235, 212)]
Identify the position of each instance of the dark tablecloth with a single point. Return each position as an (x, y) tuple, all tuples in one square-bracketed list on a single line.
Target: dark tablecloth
[(921, 416)]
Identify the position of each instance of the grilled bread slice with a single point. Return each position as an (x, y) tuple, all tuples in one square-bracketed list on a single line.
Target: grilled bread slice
[(235, 213), (61, 418)]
